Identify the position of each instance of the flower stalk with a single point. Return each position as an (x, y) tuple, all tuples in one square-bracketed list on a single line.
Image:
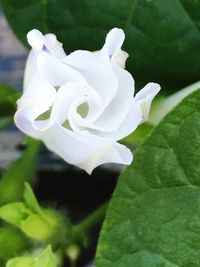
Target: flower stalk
[(93, 219)]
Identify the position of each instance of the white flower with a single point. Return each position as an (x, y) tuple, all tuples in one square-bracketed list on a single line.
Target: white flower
[(81, 104)]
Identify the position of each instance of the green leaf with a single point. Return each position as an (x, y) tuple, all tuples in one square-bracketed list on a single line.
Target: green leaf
[(23, 169), (162, 37), (8, 97), (139, 135), (14, 213), (31, 200), (46, 259), (21, 262), (12, 242), (36, 223), (154, 215), (37, 228)]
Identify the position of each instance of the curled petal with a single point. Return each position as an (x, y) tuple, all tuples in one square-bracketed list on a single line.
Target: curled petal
[(98, 73), (114, 41), (145, 97), (25, 117), (40, 43), (67, 97), (116, 112), (35, 39), (56, 72), (130, 123), (113, 44), (92, 150), (45, 43), (37, 99)]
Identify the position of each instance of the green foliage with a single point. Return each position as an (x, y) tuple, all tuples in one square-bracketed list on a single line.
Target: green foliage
[(154, 216), (45, 259), (23, 169), (37, 223), (139, 135), (5, 122), (8, 97), (12, 242), (162, 37), (14, 213), (41, 228), (31, 200), (19, 262)]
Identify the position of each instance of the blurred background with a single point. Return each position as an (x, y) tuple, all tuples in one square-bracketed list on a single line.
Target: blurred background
[(12, 55), (12, 62)]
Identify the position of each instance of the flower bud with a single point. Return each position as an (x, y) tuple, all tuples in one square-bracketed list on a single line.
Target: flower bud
[(41, 227), (73, 252), (37, 223)]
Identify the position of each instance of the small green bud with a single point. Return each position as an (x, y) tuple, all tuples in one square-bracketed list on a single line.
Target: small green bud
[(37, 223), (14, 213), (73, 252), (41, 227)]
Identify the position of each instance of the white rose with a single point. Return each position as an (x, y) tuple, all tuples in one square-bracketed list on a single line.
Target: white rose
[(81, 104)]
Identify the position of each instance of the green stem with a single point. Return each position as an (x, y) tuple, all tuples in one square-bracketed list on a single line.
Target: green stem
[(72, 264), (93, 219), (80, 231)]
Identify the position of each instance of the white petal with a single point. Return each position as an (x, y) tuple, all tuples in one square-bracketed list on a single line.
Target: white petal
[(145, 97), (96, 69), (85, 151), (66, 96), (54, 46), (35, 39), (120, 105), (50, 40), (114, 41), (30, 69), (56, 72), (24, 119), (115, 153), (46, 43), (69, 97), (120, 58), (129, 125), (40, 89), (36, 100)]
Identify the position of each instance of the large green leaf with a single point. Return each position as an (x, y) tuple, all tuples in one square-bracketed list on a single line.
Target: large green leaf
[(162, 37), (154, 216)]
